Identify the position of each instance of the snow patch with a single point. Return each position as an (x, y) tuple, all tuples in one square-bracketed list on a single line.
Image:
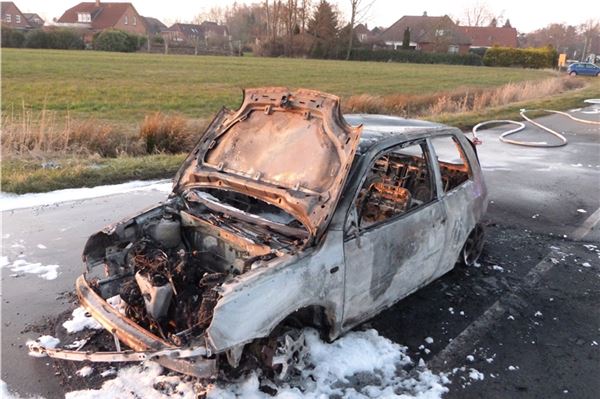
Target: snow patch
[(42, 246), (476, 375), (429, 340), (85, 371), (47, 272), (80, 320), (5, 393), (47, 341), (9, 201), (586, 264), (336, 369), (581, 211)]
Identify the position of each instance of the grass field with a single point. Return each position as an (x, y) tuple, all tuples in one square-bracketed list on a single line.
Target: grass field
[(125, 87), (93, 100)]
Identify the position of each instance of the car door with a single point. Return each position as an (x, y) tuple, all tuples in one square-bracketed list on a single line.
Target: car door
[(458, 193), (395, 232)]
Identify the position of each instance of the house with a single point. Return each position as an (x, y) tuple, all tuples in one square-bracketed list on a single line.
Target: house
[(193, 33), (488, 36), (98, 16), (12, 17), (428, 34), (154, 25), (363, 34), (34, 20)]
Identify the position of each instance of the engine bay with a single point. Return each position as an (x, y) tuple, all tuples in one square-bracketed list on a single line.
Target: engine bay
[(167, 265)]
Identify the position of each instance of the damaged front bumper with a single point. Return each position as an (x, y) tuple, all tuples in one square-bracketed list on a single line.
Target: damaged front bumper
[(190, 360)]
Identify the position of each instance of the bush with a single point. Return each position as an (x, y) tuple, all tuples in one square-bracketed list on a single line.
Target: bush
[(416, 57), (61, 39), (117, 40), (545, 57), (12, 38), (166, 133)]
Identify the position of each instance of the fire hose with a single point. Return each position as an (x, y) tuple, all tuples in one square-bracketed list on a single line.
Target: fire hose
[(521, 126)]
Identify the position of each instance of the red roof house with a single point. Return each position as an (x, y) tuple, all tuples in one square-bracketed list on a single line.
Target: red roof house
[(488, 36)]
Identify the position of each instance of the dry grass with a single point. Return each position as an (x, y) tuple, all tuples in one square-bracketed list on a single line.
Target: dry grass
[(459, 100), (31, 134), (168, 133)]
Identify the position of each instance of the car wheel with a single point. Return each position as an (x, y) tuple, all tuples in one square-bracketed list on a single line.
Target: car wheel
[(598, 74), (473, 247), (573, 73), (286, 353)]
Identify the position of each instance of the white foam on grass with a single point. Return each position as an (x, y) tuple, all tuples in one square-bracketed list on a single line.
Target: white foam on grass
[(47, 272), (9, 201), (337, 369), (47, 341), (81, 320)]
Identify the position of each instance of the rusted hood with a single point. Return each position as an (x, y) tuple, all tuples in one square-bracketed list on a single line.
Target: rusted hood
[(291, 149)]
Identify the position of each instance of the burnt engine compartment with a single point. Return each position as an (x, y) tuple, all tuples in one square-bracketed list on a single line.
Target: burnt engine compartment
[(168, 264)]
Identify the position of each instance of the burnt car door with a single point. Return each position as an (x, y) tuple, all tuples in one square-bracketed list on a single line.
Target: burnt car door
[(459, 192), (395, 231)]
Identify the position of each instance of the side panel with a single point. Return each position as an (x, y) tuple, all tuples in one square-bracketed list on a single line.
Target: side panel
[(259, 300), (389, 262)]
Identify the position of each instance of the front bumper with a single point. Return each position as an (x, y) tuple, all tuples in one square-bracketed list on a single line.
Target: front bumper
[(145, 345)]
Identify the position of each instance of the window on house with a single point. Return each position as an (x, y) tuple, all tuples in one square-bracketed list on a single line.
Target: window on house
[(134, 21), (18, 19), (84, 17), (399, 181), (439, 32), (453, 49), (453, 163), (125, 19), (8, 18)]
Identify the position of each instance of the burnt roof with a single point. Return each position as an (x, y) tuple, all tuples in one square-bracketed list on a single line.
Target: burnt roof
[(378, 128), (423, 30)]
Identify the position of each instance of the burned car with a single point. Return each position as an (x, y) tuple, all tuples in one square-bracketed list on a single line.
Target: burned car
[(285, 214)]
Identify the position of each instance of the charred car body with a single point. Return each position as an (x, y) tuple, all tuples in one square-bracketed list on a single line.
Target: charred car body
[(285, 211)]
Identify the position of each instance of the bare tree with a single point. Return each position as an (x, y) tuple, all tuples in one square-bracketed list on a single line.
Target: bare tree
[(590, 30), (358, 9), (479, 14)]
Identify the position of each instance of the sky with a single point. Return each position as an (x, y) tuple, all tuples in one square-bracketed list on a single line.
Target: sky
[(526, 16)]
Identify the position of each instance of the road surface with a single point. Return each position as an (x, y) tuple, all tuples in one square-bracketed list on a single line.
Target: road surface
[(528, 316)]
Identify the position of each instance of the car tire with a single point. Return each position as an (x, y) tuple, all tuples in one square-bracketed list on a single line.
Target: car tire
[(473, 247), (598, 75), (573, 73)]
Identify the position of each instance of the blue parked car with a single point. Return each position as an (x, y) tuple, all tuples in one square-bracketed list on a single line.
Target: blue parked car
[(583, 68)]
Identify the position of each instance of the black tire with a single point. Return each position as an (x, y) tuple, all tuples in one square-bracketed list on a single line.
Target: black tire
[(473, 247), (573, 73)]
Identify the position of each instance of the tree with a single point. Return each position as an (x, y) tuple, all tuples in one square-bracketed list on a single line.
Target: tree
[(357, 10), (590, 30), (507, 23), (406, 39), (479, 14), (324, 26)]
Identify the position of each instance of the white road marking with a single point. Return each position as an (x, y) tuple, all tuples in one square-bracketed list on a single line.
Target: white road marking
[(587, 226), (470, 335)]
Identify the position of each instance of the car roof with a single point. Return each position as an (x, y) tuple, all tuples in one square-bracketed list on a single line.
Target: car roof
[(380, 129)]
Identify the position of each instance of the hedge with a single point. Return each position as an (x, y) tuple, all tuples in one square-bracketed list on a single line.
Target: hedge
[(417, 57), (117, 40), (545, 57), (12, 37), (61, 39)]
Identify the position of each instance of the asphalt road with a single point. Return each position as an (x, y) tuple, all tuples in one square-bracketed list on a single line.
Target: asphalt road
[(529, 326)]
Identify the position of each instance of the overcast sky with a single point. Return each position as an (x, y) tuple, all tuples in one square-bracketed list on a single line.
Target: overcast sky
[(526, 16)]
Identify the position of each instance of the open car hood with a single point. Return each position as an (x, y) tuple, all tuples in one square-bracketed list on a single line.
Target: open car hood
[(290, 149)]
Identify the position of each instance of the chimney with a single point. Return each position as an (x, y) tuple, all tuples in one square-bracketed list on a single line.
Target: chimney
[(424, 12), (97, 3)]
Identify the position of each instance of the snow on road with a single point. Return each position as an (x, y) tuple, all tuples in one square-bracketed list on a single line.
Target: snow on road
[(20, 266), (358, 365), (9, 201)]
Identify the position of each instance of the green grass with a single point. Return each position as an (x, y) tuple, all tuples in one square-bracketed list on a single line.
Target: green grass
[(28, 176), (125, 87)]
